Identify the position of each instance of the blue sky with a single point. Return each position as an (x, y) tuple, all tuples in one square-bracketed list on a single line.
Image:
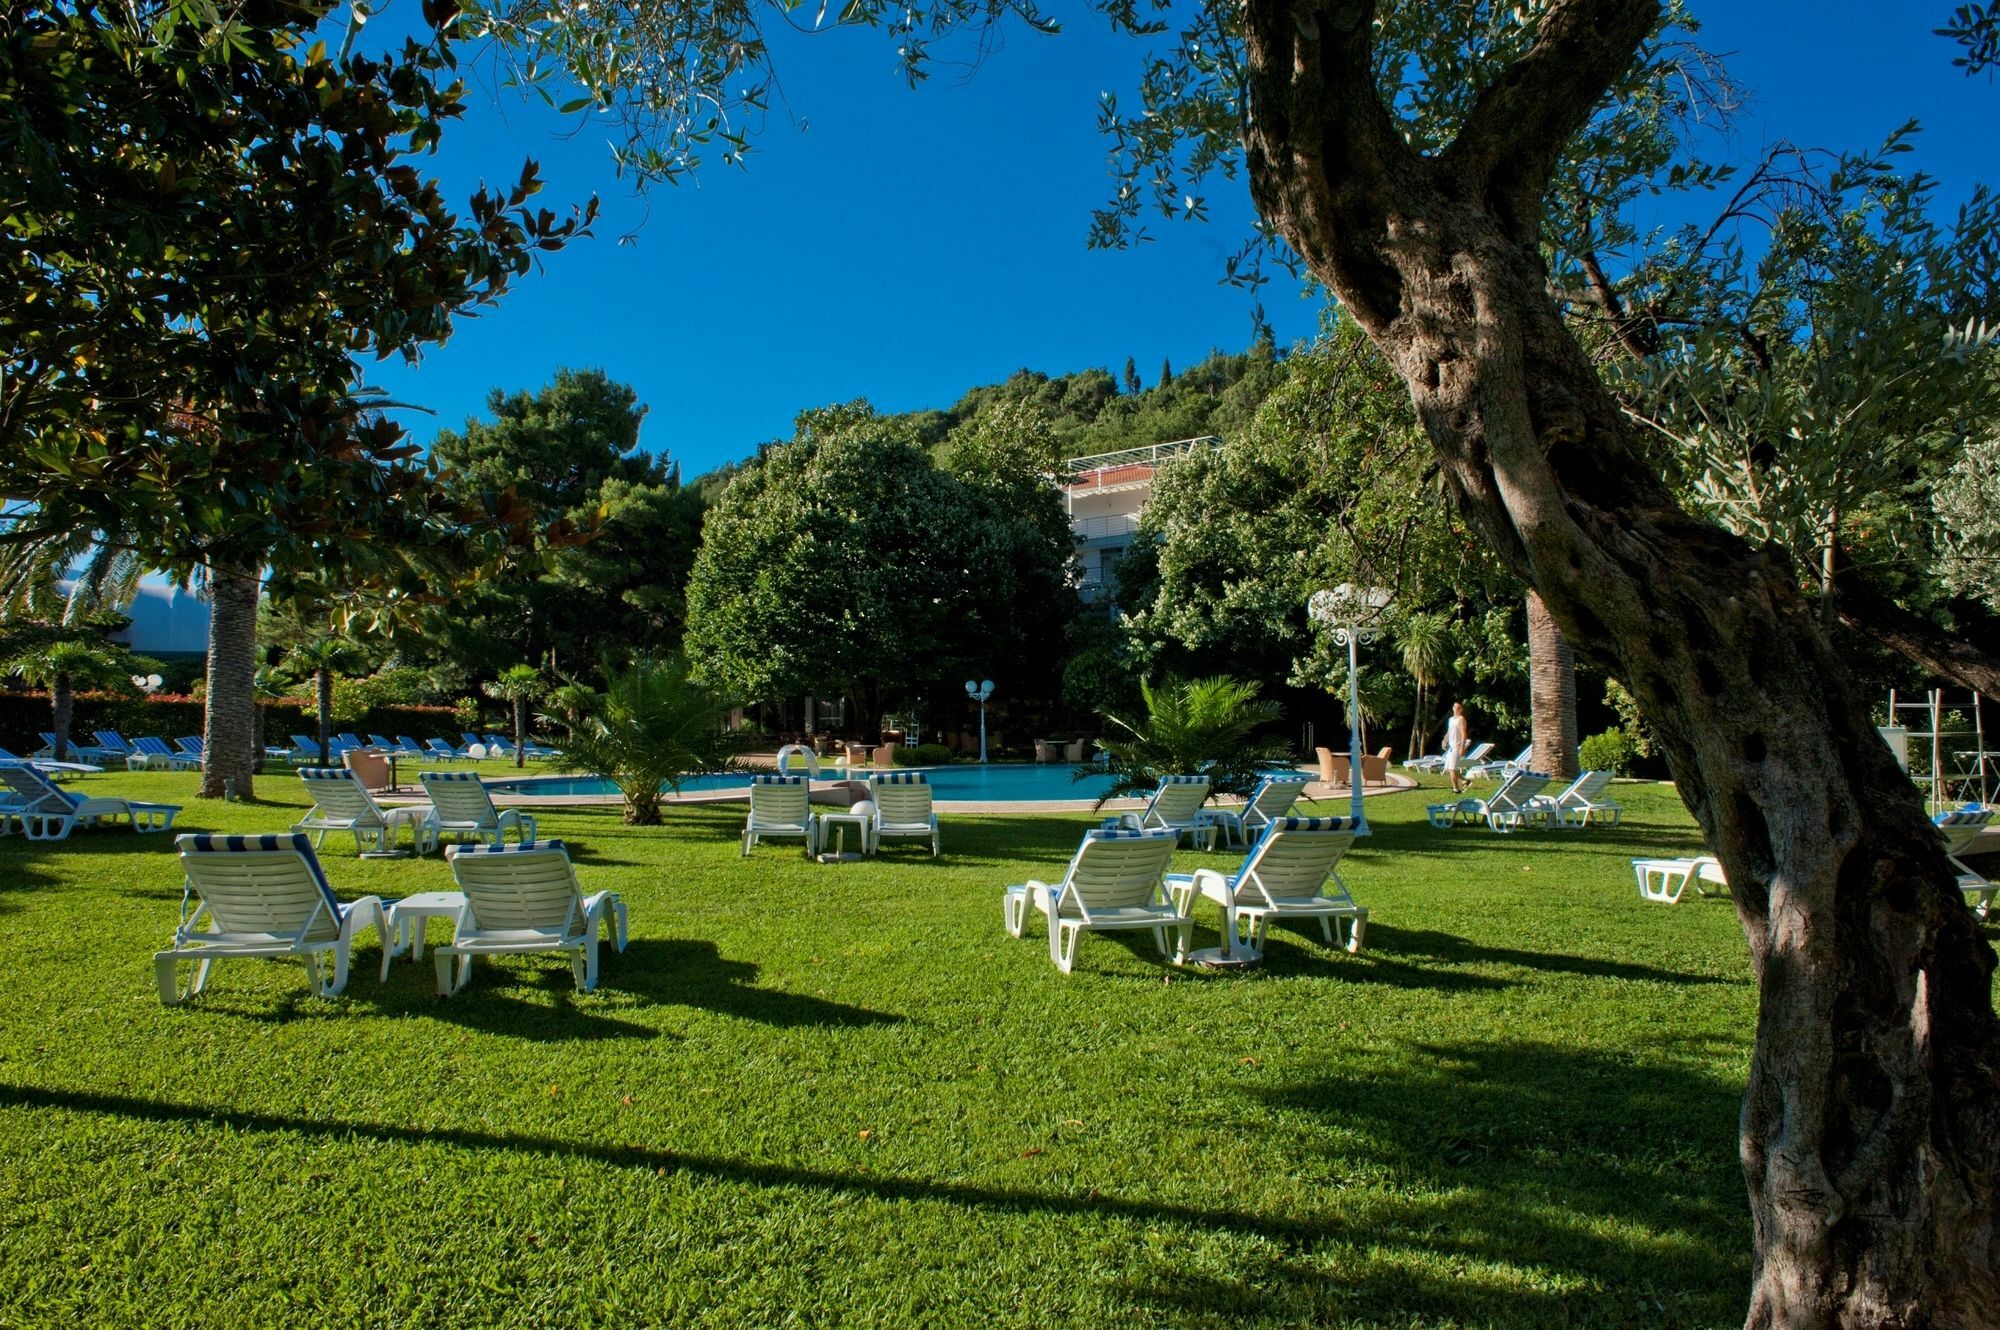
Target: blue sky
[(905, 246)]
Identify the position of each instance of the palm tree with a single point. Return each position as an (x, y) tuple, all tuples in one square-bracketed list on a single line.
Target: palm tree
[(1427, 655), (517, 685), (320, 658), (1551, 693), (61, 667), (1192, 727), (652, 726)]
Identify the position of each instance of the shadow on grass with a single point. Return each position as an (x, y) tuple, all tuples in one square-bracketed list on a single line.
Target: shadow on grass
[(1519, 1183), (660, 971), (1451, 949), (1611, 1173)]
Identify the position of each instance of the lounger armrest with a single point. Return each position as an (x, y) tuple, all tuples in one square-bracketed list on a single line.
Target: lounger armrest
[(1183, 892), (523, 823)]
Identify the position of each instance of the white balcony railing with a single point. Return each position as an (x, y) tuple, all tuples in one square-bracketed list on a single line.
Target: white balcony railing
[(1115, 526)]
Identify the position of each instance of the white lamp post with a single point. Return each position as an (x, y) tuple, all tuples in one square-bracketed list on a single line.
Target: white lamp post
[(1354, 615), (979, 690)]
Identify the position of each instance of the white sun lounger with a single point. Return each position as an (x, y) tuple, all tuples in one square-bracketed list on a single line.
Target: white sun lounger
[(262, 896), (42, 811), (1292, 872), (460, 805), (780, 806), (1584, 800), (1507, 808), (903, 807), (342, 803), (522, 899), (1664, 880), (1961, 828), (1114, 882), (1272, 799), (1175, 806)]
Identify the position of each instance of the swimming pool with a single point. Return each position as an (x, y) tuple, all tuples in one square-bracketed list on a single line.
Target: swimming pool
[(996, 783)]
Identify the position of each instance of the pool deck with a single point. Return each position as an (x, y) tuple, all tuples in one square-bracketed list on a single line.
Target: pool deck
[(1316, 792)]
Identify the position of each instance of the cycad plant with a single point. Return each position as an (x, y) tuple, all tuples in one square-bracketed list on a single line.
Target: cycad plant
[(652, 726), (517, 686), (1192, 727)]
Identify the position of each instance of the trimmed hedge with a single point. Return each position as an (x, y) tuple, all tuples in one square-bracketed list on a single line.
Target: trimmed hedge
[(22, 716)]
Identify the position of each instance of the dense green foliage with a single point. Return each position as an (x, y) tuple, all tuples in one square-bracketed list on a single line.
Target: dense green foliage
[(1611, 751), (841, 1095), (1332, 483), (209, 222), (604, 579), (847, 563)]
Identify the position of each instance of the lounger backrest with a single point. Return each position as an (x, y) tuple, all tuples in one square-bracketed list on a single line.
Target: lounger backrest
[(1178, 799), (408, 745), (901, 796), (338, 795), (1587, 788), (1295, 857), (153, 747), (38, 793), (460, 797), (110, 739), (379, 742), (1517, 789), (1963, 826), (261, 884), (1481, 751), (471, 738), (190, 744), (440, 748), (1274, 796), (1116, 869), (779, 800), (530, 885)]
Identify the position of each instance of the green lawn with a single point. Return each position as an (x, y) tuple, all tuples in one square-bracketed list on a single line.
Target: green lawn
[(819, 1095)]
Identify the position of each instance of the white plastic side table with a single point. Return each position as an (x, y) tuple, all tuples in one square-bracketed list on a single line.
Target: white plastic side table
[(409, 917), (861, 817)]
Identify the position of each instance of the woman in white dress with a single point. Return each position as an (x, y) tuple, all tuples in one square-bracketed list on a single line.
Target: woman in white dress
[(1454, 746)]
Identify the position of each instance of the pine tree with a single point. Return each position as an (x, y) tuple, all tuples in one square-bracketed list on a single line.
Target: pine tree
[(1131, 376), (1166, 372)]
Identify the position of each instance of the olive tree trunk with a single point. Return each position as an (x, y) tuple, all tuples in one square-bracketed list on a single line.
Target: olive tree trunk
[(1551, 693), (1870, 1135), (228, 724)]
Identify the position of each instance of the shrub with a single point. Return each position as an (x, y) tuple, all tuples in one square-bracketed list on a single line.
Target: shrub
[(1611, 751), (926, 755)]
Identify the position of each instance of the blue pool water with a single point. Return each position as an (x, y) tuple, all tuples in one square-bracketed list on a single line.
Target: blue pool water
[(1009, 783)]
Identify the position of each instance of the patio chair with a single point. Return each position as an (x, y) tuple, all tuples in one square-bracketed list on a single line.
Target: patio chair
[(1073, 752), (53, 770), (1582, 801), (442, 751), (152, 752), (499, 745), (1507, 808), (388, 745), (780, 806), (1664, 880), (461, 805), (1961, 828), (1292, 872), (342, 803), (263, 896), (522, 899), (1114, 882), (468, 738), (45, 812), (1176, 806), (1273, 798), (194, 746), (903, 807)]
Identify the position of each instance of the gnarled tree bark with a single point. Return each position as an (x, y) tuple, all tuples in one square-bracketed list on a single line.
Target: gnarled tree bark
[(228, 726), (1871, 1129)]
